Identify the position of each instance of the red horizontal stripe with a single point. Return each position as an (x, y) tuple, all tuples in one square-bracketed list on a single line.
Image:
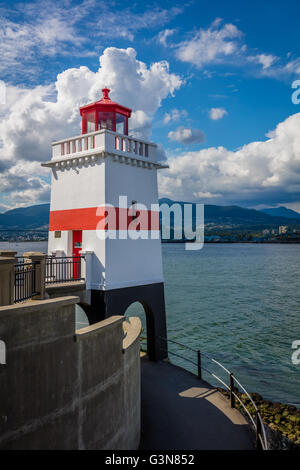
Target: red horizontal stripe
[(103, 218)]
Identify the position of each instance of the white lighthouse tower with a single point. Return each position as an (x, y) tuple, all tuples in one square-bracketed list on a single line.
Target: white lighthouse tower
[(104, 205)]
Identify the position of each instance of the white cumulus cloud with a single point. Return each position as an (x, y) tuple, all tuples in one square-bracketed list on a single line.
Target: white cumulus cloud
[(260, 172), (266, 60), (186, 135), (32, 118), (44, 28), (210, 45), (174, 115), (222, 43), (217, 113), (164, 35)]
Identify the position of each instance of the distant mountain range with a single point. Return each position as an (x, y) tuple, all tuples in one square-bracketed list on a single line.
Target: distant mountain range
[(25, 218), (235, 217), (282, 212)]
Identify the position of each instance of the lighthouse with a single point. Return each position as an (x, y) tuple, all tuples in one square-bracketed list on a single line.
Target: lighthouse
[(104, 207)]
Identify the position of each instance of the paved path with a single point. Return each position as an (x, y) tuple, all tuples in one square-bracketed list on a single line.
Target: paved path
[(179, 411)]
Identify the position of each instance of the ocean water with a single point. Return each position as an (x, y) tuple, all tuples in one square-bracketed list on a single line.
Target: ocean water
[(239, 303), (21, 247)]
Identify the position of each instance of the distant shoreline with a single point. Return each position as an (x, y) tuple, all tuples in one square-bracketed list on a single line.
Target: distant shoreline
[(269, 242), (171, 242)]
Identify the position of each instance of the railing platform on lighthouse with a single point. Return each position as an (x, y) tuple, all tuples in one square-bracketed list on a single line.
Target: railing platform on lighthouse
[(86, 148)]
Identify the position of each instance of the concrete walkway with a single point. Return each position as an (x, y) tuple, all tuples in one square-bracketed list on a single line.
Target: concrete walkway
[(179, 411)]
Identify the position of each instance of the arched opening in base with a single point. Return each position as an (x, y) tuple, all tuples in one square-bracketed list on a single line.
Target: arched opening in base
[(81, 319), (137, 309), (104, 304)]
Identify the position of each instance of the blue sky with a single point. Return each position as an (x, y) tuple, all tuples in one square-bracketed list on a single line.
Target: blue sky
[(221, 73)]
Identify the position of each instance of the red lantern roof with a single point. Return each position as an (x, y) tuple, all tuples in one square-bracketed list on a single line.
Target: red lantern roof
[(106, 104), (105, 114)]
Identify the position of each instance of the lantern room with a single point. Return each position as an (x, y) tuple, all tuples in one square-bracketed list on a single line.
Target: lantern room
[(105, 114)]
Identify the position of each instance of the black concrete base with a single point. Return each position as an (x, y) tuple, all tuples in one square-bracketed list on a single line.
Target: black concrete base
[(115, 302)]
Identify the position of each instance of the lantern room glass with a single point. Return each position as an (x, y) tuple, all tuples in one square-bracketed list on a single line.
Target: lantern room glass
[(105, 120), (121, 124), (90, 122)]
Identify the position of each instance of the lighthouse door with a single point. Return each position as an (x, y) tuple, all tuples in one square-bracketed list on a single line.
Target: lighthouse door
[(77, 246)]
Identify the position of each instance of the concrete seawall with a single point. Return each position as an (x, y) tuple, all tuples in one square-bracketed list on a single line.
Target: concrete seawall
[(67, 389)]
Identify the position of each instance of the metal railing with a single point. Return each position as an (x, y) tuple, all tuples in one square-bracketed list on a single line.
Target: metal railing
[(63, 269), (256, 421), (25, 281)]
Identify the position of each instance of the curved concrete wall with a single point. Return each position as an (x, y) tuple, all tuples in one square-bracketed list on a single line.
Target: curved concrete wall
[(132, 382), (62, 389)]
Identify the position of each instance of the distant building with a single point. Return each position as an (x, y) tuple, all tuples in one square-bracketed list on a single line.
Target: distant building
[(283, 229), (266, 232)]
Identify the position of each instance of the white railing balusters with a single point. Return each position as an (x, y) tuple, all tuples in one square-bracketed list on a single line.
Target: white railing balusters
[(106, 140), (90, 140), (141, 153)]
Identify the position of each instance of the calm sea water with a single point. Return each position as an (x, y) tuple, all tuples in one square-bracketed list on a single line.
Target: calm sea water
[(239, 303)]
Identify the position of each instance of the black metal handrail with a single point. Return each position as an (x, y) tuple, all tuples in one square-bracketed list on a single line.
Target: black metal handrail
[(25, 281), (63, 269), (256, 421)]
